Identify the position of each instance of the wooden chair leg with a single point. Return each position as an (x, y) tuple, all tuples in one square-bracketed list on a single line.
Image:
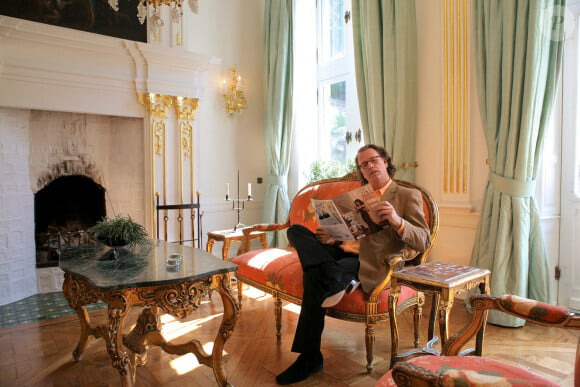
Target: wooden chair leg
[(278, 313), (370, 342)]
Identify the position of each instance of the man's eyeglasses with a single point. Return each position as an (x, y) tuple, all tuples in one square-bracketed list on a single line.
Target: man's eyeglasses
[(371, 161)]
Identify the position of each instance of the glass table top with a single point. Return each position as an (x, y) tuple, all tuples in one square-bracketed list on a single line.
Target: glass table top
[(145, 265)]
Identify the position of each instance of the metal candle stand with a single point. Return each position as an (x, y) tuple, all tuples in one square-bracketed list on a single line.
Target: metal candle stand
[(239, 204)]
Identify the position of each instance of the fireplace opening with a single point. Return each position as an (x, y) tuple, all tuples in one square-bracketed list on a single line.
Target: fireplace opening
[(63, 210)]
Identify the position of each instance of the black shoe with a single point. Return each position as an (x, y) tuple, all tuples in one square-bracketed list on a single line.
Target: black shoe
[(301, 369)]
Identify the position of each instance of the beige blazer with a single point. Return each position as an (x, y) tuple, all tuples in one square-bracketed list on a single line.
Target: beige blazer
[(376, 249)]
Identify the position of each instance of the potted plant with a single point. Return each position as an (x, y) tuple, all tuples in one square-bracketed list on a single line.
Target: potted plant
[(121, 231)]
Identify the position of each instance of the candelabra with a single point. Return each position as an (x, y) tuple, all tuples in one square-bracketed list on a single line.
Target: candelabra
[(238, 204)]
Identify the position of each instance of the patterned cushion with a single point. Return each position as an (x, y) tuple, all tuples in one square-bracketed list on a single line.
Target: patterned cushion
[(280, 269), (473, 371)]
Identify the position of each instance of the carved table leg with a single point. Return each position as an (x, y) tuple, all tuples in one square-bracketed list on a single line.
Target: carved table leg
[(435, 298), (231, 313), (209, 245), (226, 249), (118, 308), (418, 316), (86, 331), (147, 323), (78, 294), (445, 305)]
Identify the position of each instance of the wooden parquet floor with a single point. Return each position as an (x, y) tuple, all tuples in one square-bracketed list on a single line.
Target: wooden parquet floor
[(40, 353)]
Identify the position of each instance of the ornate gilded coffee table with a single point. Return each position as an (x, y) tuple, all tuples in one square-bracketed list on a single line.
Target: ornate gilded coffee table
[(443, 281), (141, 278)]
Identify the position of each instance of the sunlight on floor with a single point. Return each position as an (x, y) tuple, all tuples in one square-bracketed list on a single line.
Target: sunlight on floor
[(173, 328), (188, 362), (255, 294), (259, 295), (292, 308)]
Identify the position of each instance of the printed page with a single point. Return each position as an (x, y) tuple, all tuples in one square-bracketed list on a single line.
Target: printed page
[(356, 207), (330, 219)]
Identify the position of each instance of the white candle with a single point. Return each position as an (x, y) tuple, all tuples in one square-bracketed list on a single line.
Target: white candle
[(227, 189), (249, 189)]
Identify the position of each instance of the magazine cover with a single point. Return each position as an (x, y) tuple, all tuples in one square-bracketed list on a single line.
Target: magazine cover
[(349, 216)]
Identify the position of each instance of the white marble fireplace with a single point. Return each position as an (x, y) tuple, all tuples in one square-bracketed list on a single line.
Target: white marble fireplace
[(69, 106)]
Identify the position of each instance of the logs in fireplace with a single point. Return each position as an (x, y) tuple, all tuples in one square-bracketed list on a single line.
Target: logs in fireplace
[(63, 210)]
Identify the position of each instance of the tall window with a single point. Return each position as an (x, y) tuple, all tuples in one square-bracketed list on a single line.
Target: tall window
[(329, 137), (568, 121)]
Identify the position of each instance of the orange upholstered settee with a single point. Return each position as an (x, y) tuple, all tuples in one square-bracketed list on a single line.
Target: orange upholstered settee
[(277, 271)]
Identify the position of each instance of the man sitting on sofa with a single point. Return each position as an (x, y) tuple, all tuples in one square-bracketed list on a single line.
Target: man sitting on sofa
[(332, 268)]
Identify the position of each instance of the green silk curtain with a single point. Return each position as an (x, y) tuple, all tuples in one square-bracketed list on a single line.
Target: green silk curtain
[(278, 109), (518, 60), (385, 51)]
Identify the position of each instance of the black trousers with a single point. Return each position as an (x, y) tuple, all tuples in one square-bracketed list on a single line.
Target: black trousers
[(320, 264)]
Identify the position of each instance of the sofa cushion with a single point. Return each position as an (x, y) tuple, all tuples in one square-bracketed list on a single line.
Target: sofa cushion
[(280, 269)]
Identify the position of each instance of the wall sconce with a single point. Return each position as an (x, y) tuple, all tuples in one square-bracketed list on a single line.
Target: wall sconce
[(234, 95)]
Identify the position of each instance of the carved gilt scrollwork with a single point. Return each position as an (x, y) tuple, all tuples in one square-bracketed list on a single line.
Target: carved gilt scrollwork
[(466, 287), (118, 308), (186, 107), (146, 323), (79, 292), (159, 136), (179, 300), (186, 130)]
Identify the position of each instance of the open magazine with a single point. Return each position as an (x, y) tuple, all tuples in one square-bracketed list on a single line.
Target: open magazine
[(349, 216)]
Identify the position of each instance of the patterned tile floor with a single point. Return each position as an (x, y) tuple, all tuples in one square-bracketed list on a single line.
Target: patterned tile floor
[(37, 308)]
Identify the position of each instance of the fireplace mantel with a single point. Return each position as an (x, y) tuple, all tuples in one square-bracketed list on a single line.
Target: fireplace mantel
[(69, 95), (53, 68)]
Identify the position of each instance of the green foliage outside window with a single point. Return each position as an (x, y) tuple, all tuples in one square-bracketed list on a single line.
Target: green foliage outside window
[(325, 169)]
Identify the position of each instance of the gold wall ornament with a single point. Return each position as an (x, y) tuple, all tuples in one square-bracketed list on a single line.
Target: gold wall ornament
[(156, 104), (455, 97), (186, 107), (159, 136), (186, 130), (234, 95)]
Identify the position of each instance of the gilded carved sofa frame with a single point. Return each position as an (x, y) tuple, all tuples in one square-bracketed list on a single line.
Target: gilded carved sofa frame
[(373, 308)]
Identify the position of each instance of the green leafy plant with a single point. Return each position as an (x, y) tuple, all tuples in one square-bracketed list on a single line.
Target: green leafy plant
[(119, 231), (324, 169)]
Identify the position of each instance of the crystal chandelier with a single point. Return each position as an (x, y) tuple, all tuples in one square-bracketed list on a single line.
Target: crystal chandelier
[(143, 6)]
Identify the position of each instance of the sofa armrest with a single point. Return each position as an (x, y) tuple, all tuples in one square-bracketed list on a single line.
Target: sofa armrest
[(264, 227), (395, 263)]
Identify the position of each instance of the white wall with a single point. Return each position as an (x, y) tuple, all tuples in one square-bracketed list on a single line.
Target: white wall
[(232, 31)]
